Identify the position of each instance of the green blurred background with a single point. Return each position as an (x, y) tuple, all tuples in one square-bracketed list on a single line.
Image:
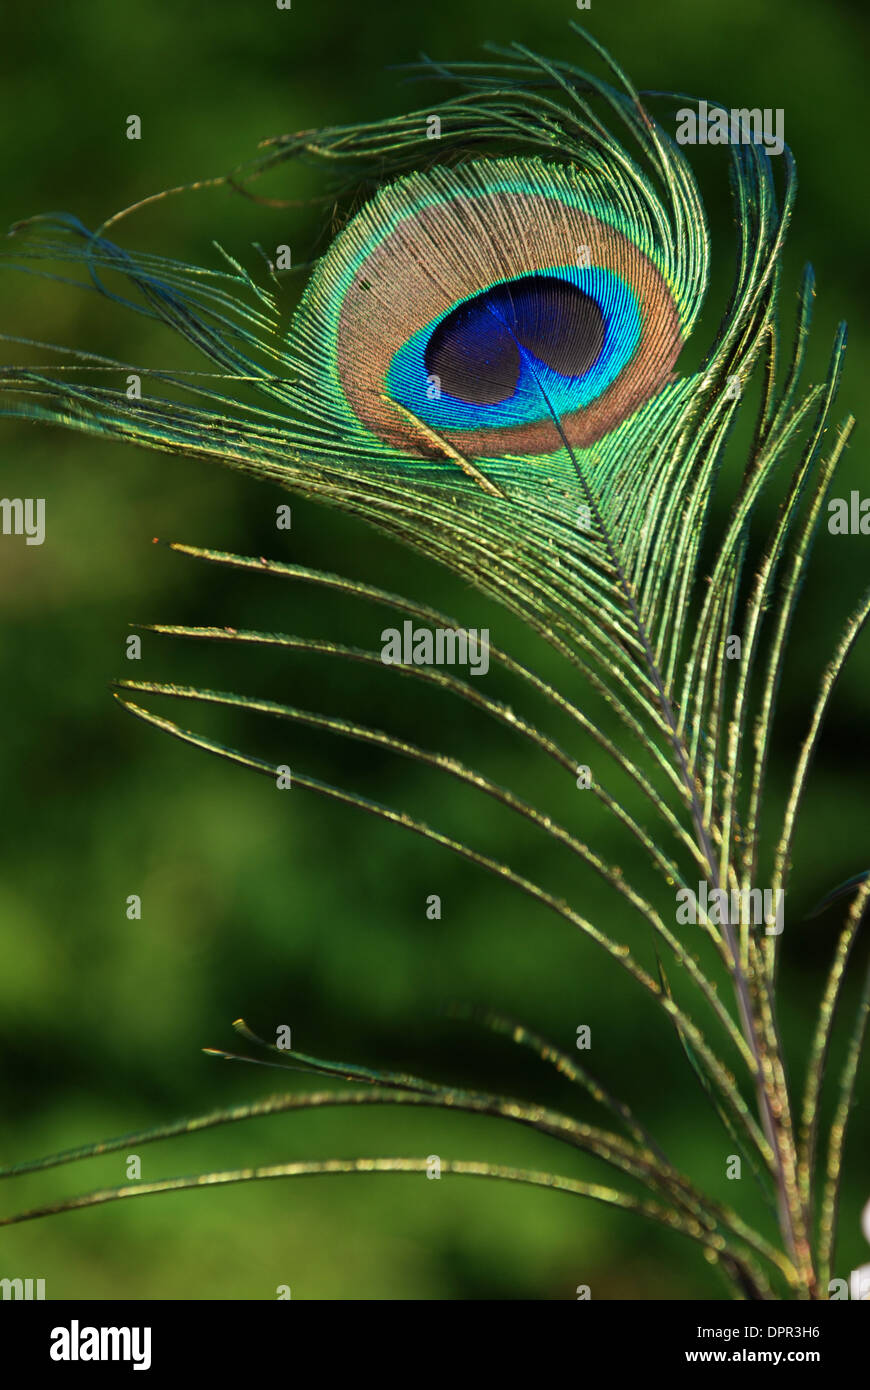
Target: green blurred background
[(292, 910)]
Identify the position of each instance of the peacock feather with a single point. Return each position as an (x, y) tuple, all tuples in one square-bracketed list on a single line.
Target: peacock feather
[(489, 364)]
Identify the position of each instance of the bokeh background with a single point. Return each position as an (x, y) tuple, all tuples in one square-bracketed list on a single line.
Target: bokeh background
[(291, 910)]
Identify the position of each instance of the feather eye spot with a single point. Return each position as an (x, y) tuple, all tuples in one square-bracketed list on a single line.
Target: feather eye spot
[(455, 305)]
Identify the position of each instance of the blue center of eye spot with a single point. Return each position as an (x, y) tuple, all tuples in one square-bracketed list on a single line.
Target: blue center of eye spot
[(482, 363)]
